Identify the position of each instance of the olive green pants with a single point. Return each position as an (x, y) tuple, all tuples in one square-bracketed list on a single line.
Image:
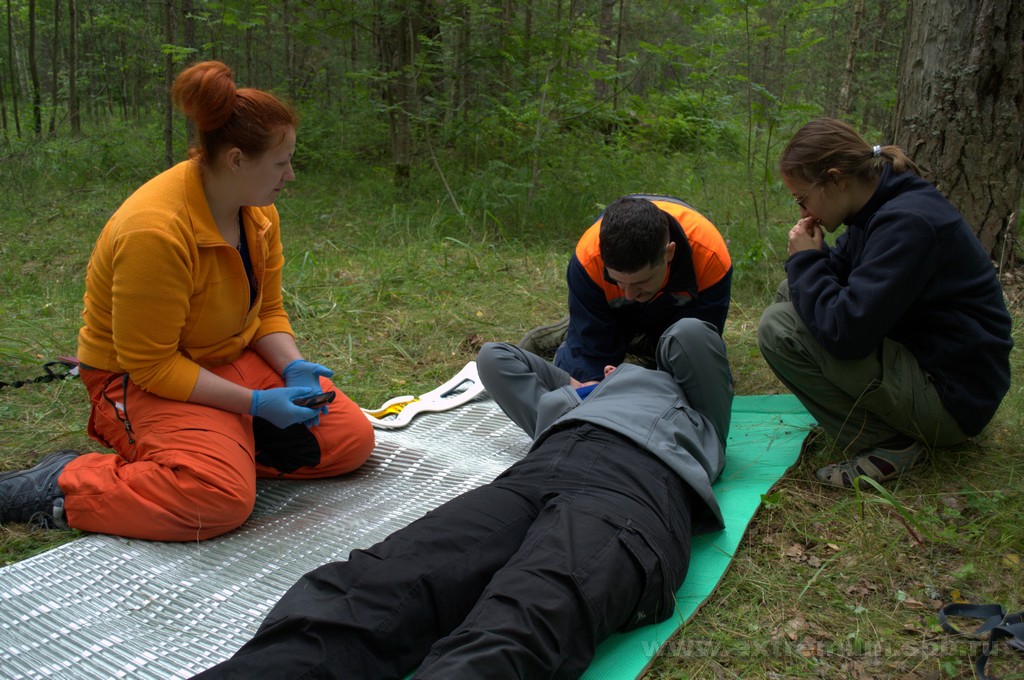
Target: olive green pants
[(861, 403)]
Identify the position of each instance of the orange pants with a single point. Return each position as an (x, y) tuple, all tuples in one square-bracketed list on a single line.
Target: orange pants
[(185, 472)]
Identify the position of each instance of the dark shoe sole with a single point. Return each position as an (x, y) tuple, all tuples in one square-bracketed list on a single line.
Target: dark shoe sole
[(545, 339)]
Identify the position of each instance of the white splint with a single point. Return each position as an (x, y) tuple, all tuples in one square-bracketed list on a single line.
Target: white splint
[(399, 412)]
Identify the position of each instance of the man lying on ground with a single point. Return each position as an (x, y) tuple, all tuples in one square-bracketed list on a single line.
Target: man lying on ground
[(523, 577)]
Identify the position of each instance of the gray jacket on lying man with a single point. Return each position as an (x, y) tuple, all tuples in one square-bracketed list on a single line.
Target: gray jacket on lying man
[(680, 412)]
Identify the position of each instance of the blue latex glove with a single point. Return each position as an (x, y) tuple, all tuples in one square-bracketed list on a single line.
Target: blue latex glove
[(302, 373), (276, 407)]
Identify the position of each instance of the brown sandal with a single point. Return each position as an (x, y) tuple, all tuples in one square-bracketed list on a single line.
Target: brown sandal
[(879, 464)]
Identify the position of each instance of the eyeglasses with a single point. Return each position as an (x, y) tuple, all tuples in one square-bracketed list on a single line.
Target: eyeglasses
[(800, 200)]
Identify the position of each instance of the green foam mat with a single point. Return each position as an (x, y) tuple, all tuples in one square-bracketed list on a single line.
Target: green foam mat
[(764, 441)]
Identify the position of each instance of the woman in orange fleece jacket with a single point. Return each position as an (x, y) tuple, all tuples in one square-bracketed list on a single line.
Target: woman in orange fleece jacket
[(186, 349)]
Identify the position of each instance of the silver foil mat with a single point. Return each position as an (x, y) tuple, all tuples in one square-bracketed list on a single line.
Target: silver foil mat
[(109, 607)]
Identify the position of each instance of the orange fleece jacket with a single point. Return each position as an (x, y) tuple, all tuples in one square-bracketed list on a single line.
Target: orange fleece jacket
[(165, 294)]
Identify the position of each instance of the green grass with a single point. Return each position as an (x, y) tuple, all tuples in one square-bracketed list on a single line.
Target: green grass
[(395, 294)]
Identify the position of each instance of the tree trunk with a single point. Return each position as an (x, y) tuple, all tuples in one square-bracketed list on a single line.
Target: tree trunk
[(527, 35), (73, 109), (504, 68), (54, 67), (845, 91), (122, 80), (168, 82), (188, 31), (33, 70), (402, 92), (188, 37), (250, 71), (876, 115), (958, 111), (3, 110), (289, 57), (606, 31), (620, 34), (396, 47), (463, 40)]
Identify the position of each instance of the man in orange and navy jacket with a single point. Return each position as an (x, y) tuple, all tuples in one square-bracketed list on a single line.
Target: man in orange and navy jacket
[(647, 262)]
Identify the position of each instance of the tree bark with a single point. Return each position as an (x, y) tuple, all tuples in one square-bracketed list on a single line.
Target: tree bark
[(3, 110), (620, 36), (397, 54), (188, 32), (168, 82), (527, 35), (54, 68), (463, 43), (74, 112), (605, 38), (289, 56), (504, 68), (33, 70), (188, 38), (959, 110), (845, 92)]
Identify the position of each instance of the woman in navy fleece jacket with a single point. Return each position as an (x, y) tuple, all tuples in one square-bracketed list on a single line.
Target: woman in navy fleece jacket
[(896, 338)]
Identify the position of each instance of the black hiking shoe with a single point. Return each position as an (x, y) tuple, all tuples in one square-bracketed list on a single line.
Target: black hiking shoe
[(544, 340), (33, 495)]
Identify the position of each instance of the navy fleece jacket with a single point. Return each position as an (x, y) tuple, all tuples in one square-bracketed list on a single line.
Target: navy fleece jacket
[(910, 268)]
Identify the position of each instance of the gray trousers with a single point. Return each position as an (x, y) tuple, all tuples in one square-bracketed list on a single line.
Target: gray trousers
[(859, 402), (690, 350)]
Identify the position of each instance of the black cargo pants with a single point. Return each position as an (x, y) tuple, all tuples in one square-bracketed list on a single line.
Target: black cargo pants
[(520, 578)]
